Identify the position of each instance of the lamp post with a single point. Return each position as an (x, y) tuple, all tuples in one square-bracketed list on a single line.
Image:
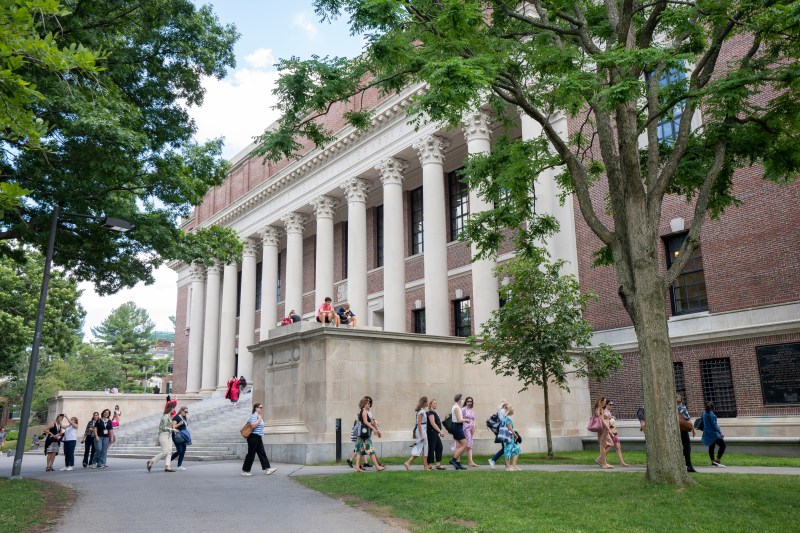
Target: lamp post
[(113, 224)]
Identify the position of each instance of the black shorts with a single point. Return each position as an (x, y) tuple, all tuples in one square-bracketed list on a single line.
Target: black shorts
[(324, 317), (458, 431)]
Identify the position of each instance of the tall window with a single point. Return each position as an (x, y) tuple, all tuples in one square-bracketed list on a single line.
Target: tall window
[(680, 382), (670, 121), (461, 316), (258, 286), (459, 204), (415, 207), (278, 284), (344, 249), (379, 236), (688, 291), (419, 320), (718, 386)]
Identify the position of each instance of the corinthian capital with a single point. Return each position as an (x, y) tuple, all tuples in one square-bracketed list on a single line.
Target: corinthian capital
[(197, 272), (270, 236), (431, 149), (295, 222), (249, 248), (324, 206), (391, 170), (477, 125), (355, 189)]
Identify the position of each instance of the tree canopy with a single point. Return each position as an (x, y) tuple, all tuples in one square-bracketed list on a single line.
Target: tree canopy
[(619, 69), (127, 333), (539, 336), (113, 140)]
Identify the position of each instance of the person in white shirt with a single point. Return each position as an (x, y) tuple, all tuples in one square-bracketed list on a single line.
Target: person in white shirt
[(420, 435), (458, 433)]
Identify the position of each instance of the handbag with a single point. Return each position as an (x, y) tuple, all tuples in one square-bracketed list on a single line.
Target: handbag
[(684, 425), (447, 423), (247, 429), (504, 435), (178, 438), (595, 424), (517, 438)]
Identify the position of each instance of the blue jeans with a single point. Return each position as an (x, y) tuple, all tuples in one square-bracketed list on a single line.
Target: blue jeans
[(180, 451), (101, 451), (498, 454), (69, 452)]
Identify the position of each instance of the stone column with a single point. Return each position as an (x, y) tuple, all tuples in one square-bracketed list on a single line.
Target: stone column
[(294, 261), (227, 326), (484, 285), (437, 306), (195, 362), (563, 245), (211, 329), (324, 208), (355, 190), (394, 261), (269, 280), (247, 310)]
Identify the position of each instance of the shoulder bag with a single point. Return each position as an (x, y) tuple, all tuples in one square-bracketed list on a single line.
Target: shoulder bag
[(595, 424), (683, 424), (504, 435), (247, 429)]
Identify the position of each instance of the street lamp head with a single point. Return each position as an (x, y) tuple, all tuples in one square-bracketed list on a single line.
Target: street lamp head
[(116, 224)]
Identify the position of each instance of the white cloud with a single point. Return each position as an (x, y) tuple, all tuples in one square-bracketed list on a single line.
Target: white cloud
[(302, 21), (239, 107), (159, 299)]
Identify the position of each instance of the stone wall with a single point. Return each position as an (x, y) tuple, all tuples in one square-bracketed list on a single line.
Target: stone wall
[(308, 376), (81, 404)]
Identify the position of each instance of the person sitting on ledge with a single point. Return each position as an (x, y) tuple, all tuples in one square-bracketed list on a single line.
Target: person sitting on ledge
[(346, 316), (326, 314), (294, 316)]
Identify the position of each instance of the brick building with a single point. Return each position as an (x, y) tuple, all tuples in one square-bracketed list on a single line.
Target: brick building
[(372, 219)]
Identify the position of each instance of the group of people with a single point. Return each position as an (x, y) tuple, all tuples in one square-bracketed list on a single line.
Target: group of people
[(235, 387), (712, 434), (327, 315), (173, 428), (97, 436)]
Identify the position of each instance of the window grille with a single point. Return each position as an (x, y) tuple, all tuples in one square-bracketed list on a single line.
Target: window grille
[(419, 320), (680, 382), (459, 204), (688, 291), (462, 321), (379, 236), (415, 208), (718, 386)]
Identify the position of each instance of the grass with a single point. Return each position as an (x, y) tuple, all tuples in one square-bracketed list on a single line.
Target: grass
[(30, 505), (569, 501), (699, 458)]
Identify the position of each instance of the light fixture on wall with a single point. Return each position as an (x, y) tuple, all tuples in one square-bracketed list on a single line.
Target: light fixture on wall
[(676, 224)]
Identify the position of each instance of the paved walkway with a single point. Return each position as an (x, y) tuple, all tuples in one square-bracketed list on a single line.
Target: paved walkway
[(213, 496)]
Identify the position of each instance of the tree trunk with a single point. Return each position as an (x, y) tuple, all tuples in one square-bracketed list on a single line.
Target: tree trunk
[(547, 416), (665, 462)]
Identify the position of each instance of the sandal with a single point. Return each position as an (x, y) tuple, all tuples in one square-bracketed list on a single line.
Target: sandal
[(380, 468), (440, 467), (607, 467), (359, 470), (149, 465), (406, 465), (169, 470)]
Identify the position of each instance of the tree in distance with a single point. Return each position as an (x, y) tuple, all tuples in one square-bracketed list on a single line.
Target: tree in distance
[(619, 68), (127, 333), (539, 336)]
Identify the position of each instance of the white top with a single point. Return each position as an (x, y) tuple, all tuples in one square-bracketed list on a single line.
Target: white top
[(457, 419), (71, 433), (501, 413), (424, 424)]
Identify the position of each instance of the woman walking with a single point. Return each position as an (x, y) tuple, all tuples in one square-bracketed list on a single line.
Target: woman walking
[(70, 442), (602, 435), (468, 414), (116, 418), (511, 449), (501, 414), (52, 443), (103, 437), (458, 433), (435, 434), (420, 435), (88, 440), (712, 435), (255, 444), (613, 438), (165, 431), (364, 442), (178, 438), (686, 444)]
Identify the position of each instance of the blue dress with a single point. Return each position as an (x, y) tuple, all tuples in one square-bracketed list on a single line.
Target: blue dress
[(510, 449)]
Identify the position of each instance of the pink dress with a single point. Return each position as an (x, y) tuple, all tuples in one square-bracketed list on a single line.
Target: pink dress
[(469, 422)]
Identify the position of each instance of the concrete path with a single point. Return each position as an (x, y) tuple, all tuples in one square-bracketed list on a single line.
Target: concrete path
[(206, 497), (213, 496)]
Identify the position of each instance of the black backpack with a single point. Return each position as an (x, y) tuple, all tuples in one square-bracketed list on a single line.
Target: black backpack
[(698, 423), (493, 423)]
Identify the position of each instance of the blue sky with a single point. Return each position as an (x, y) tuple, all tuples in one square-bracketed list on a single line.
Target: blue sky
[(237, 108)]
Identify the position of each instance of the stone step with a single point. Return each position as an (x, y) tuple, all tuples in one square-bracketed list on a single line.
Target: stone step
[(145, 456)]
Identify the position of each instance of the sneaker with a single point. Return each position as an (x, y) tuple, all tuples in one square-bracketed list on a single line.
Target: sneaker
[(453, 462), (92, 466), (68, 469), (459, 466), (691, 469), (62, 469), (491, 463), (718, 464), (366, 465), (181, 468), (350, 463), (246, 474), (271, 470)]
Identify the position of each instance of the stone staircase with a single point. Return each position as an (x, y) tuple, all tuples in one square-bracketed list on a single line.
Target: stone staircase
[(213, 423)]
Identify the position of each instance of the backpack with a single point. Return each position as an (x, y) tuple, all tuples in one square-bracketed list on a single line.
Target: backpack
[(286, 321), (447, 423), (356, 432), (493, 423), (640, 413), (698, 422)]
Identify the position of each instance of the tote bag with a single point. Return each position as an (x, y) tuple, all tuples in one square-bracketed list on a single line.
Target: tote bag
[(595, 424)]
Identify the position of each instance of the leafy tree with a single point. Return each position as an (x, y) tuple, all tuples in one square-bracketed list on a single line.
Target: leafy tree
[(604, 63), (539, 336), (119, 140), (127, 334), (19, 300)]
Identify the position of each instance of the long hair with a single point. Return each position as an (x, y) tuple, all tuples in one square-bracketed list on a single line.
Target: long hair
[(256, 406), (167, 407), (600, 403), (423, 401), (363, 403)]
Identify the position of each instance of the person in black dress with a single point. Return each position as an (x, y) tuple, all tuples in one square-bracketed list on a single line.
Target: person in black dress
[(435, 434)]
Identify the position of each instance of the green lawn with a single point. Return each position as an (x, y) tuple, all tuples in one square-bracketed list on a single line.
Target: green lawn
[(569, 501), (22, 504), (699, 458)]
